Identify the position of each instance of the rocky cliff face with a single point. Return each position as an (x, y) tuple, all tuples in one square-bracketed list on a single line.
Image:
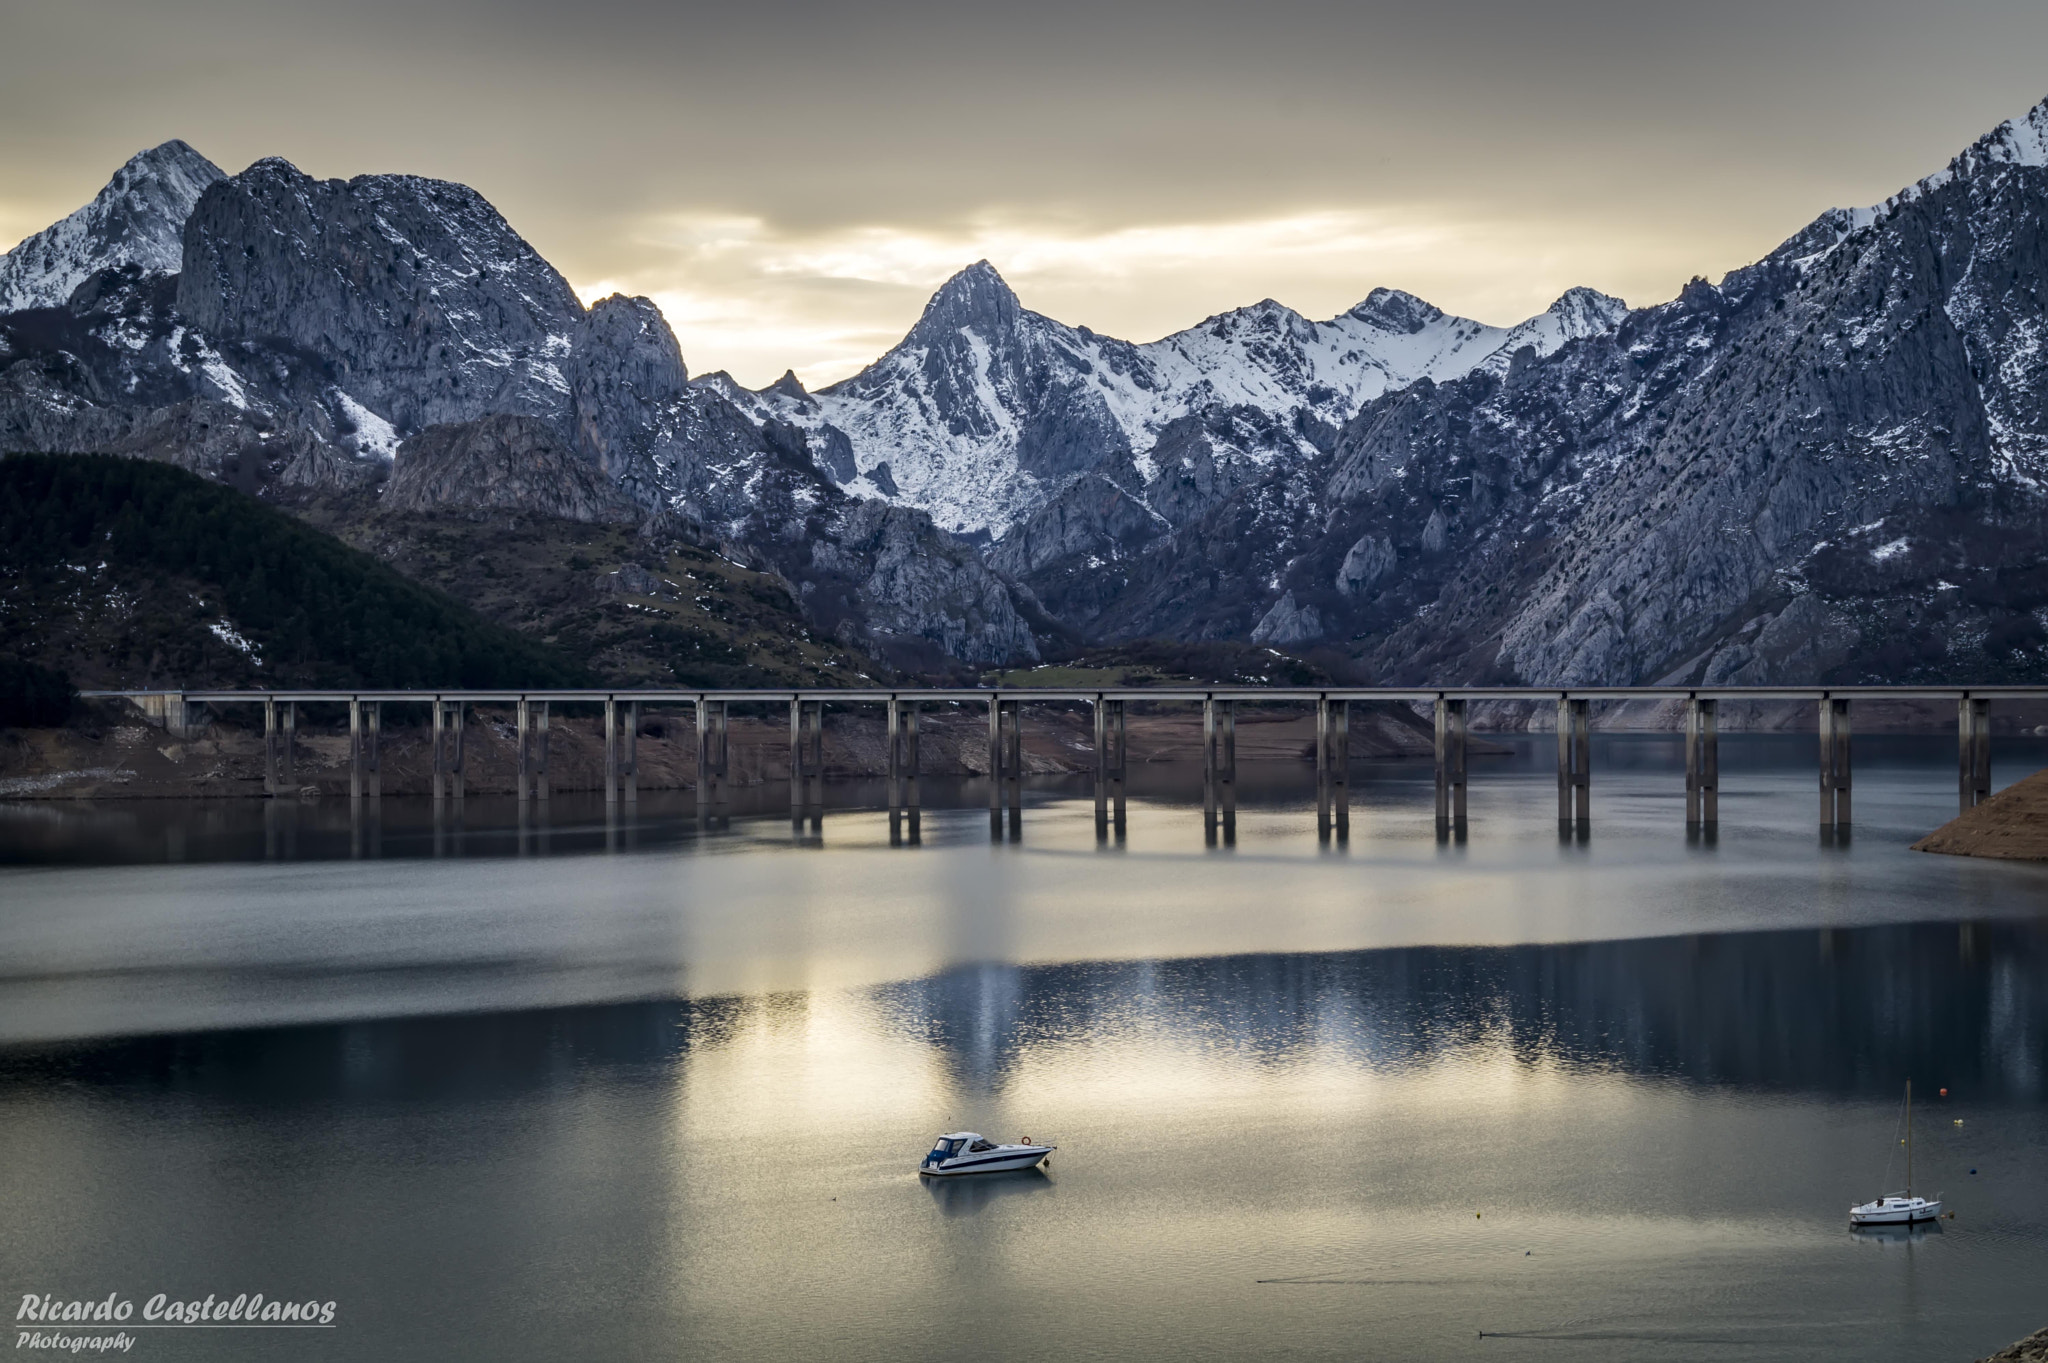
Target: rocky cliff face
[(502, 463)]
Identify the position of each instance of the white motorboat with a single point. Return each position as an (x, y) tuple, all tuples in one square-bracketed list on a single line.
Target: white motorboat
[(966, 1152), (1899, 1209)]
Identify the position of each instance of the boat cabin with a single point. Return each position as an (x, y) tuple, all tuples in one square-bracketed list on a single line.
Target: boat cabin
[(956, 1144)]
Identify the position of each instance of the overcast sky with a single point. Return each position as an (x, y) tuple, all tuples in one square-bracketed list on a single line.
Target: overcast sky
[(791, 180)]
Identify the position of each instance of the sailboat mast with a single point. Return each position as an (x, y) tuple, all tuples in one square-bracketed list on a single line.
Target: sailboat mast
[(1909, 1138)]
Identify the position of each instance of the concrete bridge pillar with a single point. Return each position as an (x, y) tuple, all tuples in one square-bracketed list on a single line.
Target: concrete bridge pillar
[(1005, 763), (611, 751), (374, 713), (711, 760), (1574, 762), (542, 786), (807, 760), (903, 766), (1973, 752), (629, 759), (1219, 768), (448, 774), (1450, 766), (273, 776), (167, 710), (1834, 764), (458, 765), (1109, 766), (531, 725), (438, 735), (1333, 768), (365, 726), (1702, 764), (291, 746)]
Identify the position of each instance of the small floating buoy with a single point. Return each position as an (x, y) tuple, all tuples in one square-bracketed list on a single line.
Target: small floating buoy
[(1959, 1121), (1475, 1216), (1973, 1171), (1527, 1252), (1944, 1093)]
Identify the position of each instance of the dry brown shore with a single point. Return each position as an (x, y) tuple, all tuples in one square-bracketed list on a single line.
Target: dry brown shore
[(122, 757), (2032, 1349), (2012, 825)]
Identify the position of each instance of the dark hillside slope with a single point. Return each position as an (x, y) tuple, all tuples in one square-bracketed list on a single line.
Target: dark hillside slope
[(126, 572), (639, 607)]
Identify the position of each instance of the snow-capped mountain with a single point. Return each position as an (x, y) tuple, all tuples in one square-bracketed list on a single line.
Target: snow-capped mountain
[(986, 410), (138, 219)]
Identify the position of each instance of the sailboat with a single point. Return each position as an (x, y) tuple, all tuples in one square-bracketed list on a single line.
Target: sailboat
[(1898, 1209)]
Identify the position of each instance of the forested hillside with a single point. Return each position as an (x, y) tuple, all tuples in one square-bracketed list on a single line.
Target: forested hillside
[(134, 573)]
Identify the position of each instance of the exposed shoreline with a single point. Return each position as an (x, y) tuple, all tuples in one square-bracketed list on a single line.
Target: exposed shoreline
[(2010, 826)]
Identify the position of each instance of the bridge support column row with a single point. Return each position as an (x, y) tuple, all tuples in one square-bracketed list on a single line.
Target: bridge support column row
[(1333, 768), (1834, 763), (1451, 733), (903, 792), (1110, 766), (365, 726), (1574, 763), (1219, 768), (806, 759), (713, 756), (1702, 764), (1973, 753)]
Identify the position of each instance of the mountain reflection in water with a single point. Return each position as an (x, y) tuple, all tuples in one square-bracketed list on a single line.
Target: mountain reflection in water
[(1847, 1011)]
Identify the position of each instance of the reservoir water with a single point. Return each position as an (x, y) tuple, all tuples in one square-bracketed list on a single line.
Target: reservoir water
[(621, 1088)]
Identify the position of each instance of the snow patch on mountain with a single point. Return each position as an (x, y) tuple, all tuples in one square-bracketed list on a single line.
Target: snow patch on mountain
[(373, 434), (138, 219)]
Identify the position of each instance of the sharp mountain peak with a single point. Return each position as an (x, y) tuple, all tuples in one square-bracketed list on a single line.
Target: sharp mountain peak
[(1396, 310), (138, 218)]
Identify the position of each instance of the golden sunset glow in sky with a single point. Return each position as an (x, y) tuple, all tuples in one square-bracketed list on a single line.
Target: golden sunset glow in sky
[(791, 184)]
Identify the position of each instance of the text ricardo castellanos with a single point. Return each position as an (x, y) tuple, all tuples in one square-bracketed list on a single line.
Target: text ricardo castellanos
[(40, 1308)]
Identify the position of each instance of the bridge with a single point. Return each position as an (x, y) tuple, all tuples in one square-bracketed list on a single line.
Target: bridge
[(1451, 705)]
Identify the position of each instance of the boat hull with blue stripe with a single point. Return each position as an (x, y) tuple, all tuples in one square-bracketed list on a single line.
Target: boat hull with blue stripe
[(966, 1152)]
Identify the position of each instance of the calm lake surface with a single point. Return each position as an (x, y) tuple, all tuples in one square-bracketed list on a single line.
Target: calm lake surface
[(627, 1088)]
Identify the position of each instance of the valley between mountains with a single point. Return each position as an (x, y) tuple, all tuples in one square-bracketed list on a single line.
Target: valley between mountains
[(1829, 466)]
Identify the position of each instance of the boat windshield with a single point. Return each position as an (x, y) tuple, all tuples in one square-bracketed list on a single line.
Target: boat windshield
[(946, 1149), (980, 1145)]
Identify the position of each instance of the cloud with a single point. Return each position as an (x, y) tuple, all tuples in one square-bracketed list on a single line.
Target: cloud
[(754, 298)]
